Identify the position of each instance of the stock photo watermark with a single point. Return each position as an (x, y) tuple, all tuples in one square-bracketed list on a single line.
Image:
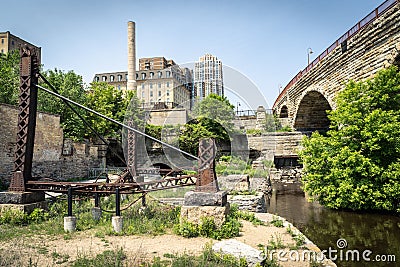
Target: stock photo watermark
[(339, 253)]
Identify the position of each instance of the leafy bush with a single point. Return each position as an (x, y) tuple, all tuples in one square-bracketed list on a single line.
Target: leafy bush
[(356, 164), (277, 222)]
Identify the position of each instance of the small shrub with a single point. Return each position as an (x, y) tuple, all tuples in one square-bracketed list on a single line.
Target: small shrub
[(13, 217), (254, 132), (275, 242), (300, 239), (277, 222)]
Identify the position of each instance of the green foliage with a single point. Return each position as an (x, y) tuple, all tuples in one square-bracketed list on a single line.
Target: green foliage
[(234, 165), (9, 77), (254, 132), (108, 258), (284, 129), (113, 103), (213, 118), (154, 131), (277, 222), (275, 242), (208, 258), (71, 86), (356, 165), (217, 109), (272, 123), (207, 227), (249, 216), (13, 217), (300, 239)]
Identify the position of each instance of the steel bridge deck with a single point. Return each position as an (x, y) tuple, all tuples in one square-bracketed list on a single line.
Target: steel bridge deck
[(109, 188)]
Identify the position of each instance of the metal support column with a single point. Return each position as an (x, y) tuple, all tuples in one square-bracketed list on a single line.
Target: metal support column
[(29, 69), (117, 202)]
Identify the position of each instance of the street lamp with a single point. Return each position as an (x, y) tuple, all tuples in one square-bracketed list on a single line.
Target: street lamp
[(309, 52), (237, 109)]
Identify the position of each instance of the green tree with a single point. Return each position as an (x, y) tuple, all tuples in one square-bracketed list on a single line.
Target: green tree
[(71, 86), (356, 165), (9, 77), (216, 108), (113, 103), (214, 116)]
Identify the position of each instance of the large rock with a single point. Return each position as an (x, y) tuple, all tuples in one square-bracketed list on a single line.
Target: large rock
[(194, 214), (237, 182), (193, 198), (239, 250)]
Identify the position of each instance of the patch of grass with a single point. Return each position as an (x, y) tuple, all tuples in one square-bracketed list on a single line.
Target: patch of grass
[(277, 222), (108, 258), (59, 258), (300, 239), (275, 242), (207, 258)]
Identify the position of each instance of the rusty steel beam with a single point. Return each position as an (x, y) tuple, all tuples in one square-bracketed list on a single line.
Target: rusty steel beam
[(109, 188), (29, 69), (207, 178)]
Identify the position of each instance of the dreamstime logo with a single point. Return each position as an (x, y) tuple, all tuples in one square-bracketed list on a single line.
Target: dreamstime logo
[(340, 253)]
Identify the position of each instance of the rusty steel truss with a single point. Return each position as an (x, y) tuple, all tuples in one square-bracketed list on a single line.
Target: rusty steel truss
[(29, 69)]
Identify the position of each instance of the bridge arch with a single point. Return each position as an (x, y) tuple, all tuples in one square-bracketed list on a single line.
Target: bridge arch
[(284, 113), (311, 112)]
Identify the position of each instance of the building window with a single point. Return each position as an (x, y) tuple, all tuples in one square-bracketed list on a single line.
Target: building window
[(159, 74), (151, 75), (167, 84), (151, 93), (137, 76), (143, 76), (167, 92), (159, 85), (142, 94), (119, 77), (168, 74), (104, 78), (151, 85), (96, 78), (2, 41), (142, 85), (12, 42), (126, 77), (159, 93), (111, 78)]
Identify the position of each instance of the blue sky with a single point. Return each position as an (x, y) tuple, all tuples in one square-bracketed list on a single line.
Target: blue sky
[(265, 41)]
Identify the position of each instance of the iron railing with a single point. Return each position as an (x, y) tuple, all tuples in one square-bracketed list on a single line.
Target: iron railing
[(387, 5)]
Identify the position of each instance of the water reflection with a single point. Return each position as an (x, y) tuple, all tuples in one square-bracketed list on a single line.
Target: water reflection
[(379, 233)]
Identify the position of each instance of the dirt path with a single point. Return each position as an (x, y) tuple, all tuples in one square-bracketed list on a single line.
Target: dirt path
[(55, 251)]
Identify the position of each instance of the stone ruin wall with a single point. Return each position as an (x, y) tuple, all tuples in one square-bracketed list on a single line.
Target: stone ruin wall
[(54, 157)]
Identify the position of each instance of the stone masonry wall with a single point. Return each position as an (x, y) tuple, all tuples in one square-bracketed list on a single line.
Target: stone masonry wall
[(279, 143), (373, 48), (53, 157)]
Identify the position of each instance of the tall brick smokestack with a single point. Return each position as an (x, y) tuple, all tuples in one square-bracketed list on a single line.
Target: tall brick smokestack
[(131, 56)]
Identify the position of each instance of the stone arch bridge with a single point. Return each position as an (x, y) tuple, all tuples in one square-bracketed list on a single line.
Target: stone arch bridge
[(370, 45)]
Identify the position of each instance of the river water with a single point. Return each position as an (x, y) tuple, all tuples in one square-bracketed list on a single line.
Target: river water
[(379, 233)]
